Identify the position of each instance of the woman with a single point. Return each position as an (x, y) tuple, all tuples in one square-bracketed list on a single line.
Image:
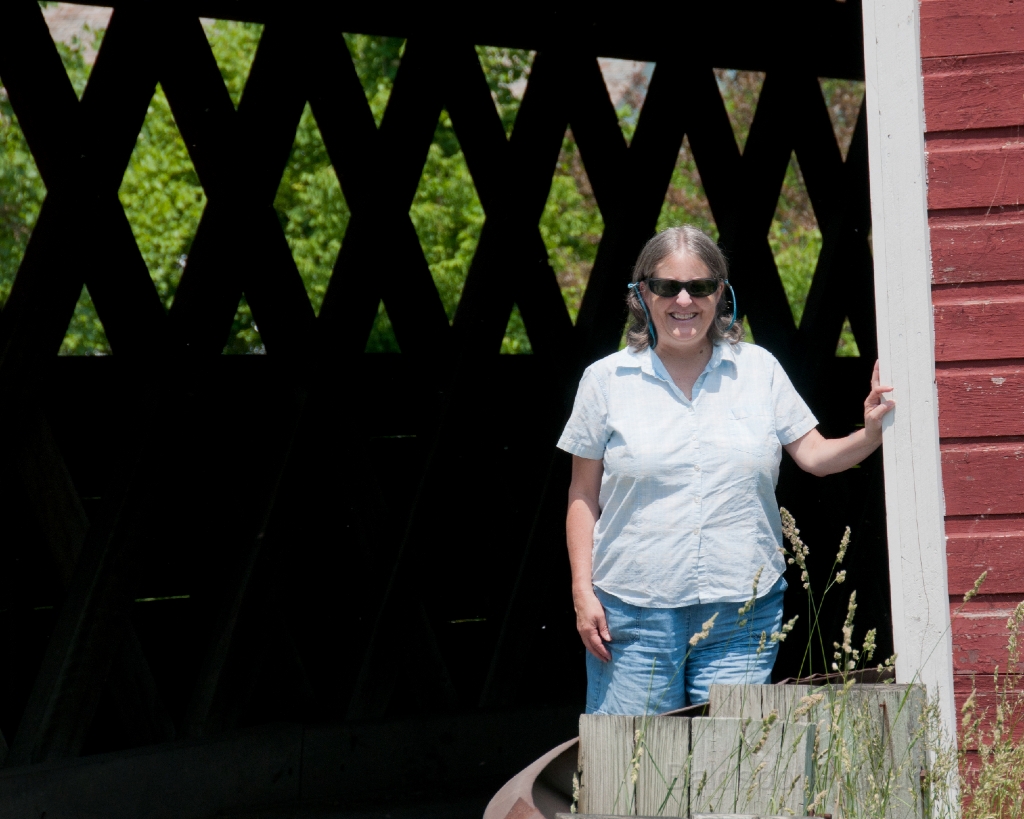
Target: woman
[(672, 521)]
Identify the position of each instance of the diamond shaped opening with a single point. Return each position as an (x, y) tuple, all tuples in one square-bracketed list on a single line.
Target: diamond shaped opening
[(234, 47), (376, 60), (21, 195), (627, 82), (312, 209), (77, 31), (740, 91), (843, 98), (571, 225), (507, 71), (516, 340), (85, 334), (162, 197), (685, 201), (795, 239), (382, 337), (244, 338), (447, 214), (847, 346)]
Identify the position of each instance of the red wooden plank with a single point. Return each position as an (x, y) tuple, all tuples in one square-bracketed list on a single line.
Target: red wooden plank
[(979, 640), (1001, 555), (953, 27), (978, 322), (983, 479), (986, 698), (980, 248), (984, 525), (975, 174), (981, 402), (973, 92)]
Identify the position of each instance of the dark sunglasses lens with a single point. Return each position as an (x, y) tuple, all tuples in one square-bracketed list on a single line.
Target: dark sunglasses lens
[(671, 287), (701, 287), (665, 287)]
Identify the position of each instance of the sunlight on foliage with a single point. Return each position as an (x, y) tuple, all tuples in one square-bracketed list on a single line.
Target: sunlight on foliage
[(843, 99), (685, 201), (376, 61), (312, 209), (740, 91), (85, 334), (447, 215), (234, 46), (627, 82), (244, 338), (382, 336), (162, 197), (516, 342), (571, 225), (21, 196), (795, 239), (507, 71), (847, 347)]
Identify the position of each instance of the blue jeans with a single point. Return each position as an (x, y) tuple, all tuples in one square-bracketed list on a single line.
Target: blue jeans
[(653, 667)]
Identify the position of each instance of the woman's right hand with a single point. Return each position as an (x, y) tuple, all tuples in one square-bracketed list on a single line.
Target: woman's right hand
[(592, 625)]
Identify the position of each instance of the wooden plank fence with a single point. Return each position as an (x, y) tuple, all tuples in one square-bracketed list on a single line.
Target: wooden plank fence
[(762, 751)]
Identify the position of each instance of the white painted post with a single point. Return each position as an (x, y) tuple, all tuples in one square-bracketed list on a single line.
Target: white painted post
[(906, 345)]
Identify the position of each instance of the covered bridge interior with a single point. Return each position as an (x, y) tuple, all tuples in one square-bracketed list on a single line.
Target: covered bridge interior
[(354, 559)]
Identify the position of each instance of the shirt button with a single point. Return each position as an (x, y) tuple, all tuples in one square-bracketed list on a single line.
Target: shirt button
[(696, 531), (697, 499), (696, 467)]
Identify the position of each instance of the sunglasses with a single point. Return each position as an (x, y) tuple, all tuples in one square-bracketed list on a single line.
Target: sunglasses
[(672, 287)]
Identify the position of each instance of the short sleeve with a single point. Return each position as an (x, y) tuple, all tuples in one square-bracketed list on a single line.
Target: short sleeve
[(586, 434), (793, 418)]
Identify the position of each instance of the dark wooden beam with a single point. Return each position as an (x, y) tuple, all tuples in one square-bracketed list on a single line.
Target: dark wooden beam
[(209, 692), (743, 35), (94, 618), (63, 521)]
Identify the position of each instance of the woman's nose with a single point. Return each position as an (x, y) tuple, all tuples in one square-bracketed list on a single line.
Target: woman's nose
[(683, 299)]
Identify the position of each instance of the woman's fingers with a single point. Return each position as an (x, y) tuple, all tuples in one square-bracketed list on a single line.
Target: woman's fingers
[(876, 396), (593, 627), (596, 644), (594, 640), (876, 412)]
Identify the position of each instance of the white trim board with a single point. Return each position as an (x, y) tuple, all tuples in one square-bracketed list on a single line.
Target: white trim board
[(906, 347)]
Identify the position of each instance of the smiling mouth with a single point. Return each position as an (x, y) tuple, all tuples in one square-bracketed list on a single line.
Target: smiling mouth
[(682, 316)]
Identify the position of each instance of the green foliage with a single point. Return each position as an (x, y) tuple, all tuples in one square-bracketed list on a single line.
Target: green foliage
[(162, 197), (234, 47), (571, 225), (21, 195)]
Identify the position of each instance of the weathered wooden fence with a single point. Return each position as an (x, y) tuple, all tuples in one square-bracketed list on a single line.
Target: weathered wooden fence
[(763, 750)]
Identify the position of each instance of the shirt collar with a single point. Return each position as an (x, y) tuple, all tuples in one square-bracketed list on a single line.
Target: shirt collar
[(645, 361)]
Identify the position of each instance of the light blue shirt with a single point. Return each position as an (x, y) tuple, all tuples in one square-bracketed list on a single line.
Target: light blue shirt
[(688, 509)]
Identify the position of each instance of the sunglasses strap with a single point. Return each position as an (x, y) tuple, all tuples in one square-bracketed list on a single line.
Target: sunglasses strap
[(635, 287), (732, 294)]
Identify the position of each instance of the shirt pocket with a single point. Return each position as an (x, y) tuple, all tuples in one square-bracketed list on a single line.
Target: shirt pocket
[(747, 430)]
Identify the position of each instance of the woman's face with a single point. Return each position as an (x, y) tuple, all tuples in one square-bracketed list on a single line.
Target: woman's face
[(682, 322)]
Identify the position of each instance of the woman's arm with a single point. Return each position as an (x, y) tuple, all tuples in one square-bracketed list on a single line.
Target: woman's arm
[(584, 510), (823, 456)]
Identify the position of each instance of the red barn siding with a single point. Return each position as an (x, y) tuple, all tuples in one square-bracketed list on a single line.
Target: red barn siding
[(973, 69), (981, 398), (976, 247)]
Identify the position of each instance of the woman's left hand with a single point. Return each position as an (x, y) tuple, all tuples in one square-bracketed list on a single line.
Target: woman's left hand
[(875, 407)]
